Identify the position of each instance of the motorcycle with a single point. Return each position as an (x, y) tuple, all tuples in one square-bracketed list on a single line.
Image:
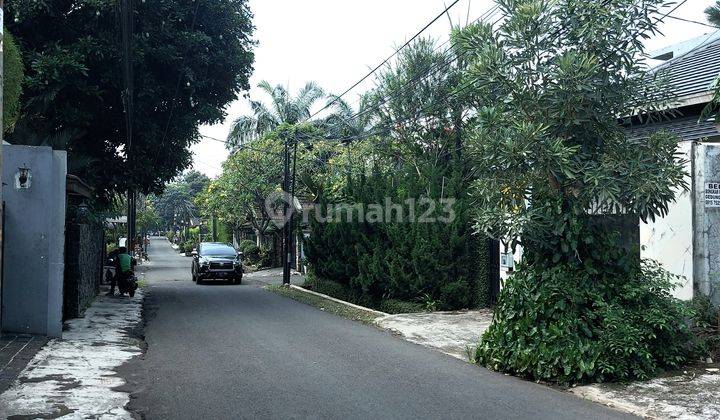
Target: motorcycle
[(126, 284)]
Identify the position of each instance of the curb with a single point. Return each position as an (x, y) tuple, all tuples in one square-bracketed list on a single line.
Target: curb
[(342, 302)]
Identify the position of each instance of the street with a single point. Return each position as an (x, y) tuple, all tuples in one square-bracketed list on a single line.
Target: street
[(224, 351)]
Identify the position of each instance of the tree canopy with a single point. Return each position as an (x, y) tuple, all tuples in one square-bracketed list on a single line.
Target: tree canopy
[(190, 59), (282, 109), (13, 74), (178, 200)]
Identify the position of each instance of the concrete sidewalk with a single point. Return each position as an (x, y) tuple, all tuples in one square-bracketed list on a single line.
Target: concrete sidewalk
[(75, 376)]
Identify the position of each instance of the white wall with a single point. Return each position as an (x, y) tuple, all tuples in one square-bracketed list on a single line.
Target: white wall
[(670, 240)]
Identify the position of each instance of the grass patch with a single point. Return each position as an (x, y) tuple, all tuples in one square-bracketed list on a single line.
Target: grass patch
[(325, 305), (343, 292)]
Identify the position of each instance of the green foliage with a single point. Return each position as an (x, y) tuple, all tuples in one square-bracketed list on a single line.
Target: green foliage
[(147, 217), (253, 174), (554, 168), (177, 203), (418, 155), (328, 287), (13, 74), (558, 323), (713, 13), (547, 144), (283, 109), (190, 60), (705, 328), (396, 306), (259, 256), (432, 263)]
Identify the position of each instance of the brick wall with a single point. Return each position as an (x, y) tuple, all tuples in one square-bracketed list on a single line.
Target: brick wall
[(84, 253)]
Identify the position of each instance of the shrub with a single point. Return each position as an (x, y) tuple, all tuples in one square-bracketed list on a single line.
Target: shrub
[(14, 75), (705, 328), (442, 265), (561, 324), (328, 287), (246, 244), (396, 306), (255, 255), (188, 246)]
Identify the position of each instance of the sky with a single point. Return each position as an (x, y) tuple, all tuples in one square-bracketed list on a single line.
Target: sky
[(335, 43)]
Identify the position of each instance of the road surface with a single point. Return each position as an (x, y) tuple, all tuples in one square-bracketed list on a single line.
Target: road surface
[(224, 351)]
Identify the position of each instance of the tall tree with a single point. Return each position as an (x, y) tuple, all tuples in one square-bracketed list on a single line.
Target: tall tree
[(282, 109), (555, 167), (190, 58), (177, 202), (13, 75)]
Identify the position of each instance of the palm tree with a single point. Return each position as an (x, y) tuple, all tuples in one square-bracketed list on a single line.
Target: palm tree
[(713, 14), (282, 109), (344, 124)]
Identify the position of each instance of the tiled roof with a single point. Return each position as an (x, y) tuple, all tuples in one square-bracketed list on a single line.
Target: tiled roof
[(687, 129), (693, 73)]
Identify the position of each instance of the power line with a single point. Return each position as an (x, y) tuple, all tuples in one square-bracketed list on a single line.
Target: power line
[(379, 66), (468, 85), (487, 14), (694, 21), (382, 129)]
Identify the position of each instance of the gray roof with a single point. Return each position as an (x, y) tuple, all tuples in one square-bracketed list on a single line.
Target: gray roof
[(693, 73), (687, 129)]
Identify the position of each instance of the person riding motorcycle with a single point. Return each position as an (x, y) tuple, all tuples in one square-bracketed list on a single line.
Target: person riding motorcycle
[(124, 264)]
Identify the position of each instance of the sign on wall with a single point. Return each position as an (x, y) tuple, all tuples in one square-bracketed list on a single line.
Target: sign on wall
[(712, 194)]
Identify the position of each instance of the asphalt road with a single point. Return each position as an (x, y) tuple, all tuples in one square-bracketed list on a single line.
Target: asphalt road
[(224, 351)]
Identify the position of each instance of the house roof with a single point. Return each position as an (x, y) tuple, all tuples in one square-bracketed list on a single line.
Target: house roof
[(692, 74), (687, 129)]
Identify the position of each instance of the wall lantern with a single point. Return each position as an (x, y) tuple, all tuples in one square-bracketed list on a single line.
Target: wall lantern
[(23, 178)]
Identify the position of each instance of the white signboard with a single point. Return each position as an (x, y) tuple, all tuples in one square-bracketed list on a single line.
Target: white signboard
[(712, 195)]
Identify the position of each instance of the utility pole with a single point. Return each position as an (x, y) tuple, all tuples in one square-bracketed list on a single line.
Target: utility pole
[(286, 226), (126, 27), (2, 127), (292, 198)]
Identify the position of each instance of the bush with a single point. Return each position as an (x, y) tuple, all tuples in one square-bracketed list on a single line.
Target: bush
[(396, 306), (328, 287), (14, 75), (562, 324), (188, 246), (255, 255), (705, 328), (442, 265), (245, 244)]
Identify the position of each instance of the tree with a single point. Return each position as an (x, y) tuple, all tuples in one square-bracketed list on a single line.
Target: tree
[(555, 149), (177, 202), (282, 109), (190, 58), (251, 175), (12, 81), (554, 166), (713, 14), (345, 123), (147, 217)]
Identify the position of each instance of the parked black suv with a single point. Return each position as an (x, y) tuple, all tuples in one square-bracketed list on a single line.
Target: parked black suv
[(214, 260)]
